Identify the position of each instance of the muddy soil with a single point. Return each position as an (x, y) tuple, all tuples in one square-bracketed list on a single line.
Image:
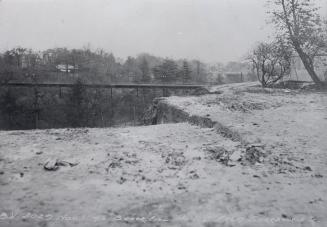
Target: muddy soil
[(167, 175)]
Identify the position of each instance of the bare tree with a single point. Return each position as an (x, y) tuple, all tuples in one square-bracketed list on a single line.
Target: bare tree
[(271, 62), (300, 24)]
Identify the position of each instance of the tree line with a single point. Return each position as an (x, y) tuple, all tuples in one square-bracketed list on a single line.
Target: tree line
[(64, 65)]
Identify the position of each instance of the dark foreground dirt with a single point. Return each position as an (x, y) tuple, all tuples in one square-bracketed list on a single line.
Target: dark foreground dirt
[(170, 174)]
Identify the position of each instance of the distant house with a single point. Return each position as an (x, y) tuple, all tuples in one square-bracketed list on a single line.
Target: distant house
[(65, 68)]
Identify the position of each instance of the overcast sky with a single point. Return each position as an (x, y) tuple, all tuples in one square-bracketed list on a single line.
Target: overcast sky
[(209, 30)]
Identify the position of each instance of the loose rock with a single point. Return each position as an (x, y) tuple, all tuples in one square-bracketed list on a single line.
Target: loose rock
[(53, 164)]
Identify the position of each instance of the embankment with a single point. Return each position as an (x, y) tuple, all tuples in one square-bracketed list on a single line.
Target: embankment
[(168, 113)]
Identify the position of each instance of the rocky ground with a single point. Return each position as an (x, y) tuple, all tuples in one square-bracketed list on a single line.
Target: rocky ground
[(269, 169)]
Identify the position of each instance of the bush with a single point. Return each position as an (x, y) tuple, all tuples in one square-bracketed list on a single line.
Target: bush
[(271, 62)]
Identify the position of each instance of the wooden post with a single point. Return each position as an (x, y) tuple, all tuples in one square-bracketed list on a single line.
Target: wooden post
[(60, 92), (36, 123), (36, 108), (134, 114), (111, 108)]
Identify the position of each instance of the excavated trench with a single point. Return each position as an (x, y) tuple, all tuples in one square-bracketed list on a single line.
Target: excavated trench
[(167, 113), (248, 153)]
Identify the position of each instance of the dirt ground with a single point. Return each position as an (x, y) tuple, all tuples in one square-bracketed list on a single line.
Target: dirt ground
[(164, 175)]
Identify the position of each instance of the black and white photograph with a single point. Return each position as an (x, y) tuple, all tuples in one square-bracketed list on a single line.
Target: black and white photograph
[(163, 113)]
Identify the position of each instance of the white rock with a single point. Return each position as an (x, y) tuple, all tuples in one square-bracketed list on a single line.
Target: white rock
[(236, 156)]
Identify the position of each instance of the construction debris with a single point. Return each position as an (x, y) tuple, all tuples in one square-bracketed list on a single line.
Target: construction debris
[(54, 164), (254, 153), (51, 165), (219, 154)]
